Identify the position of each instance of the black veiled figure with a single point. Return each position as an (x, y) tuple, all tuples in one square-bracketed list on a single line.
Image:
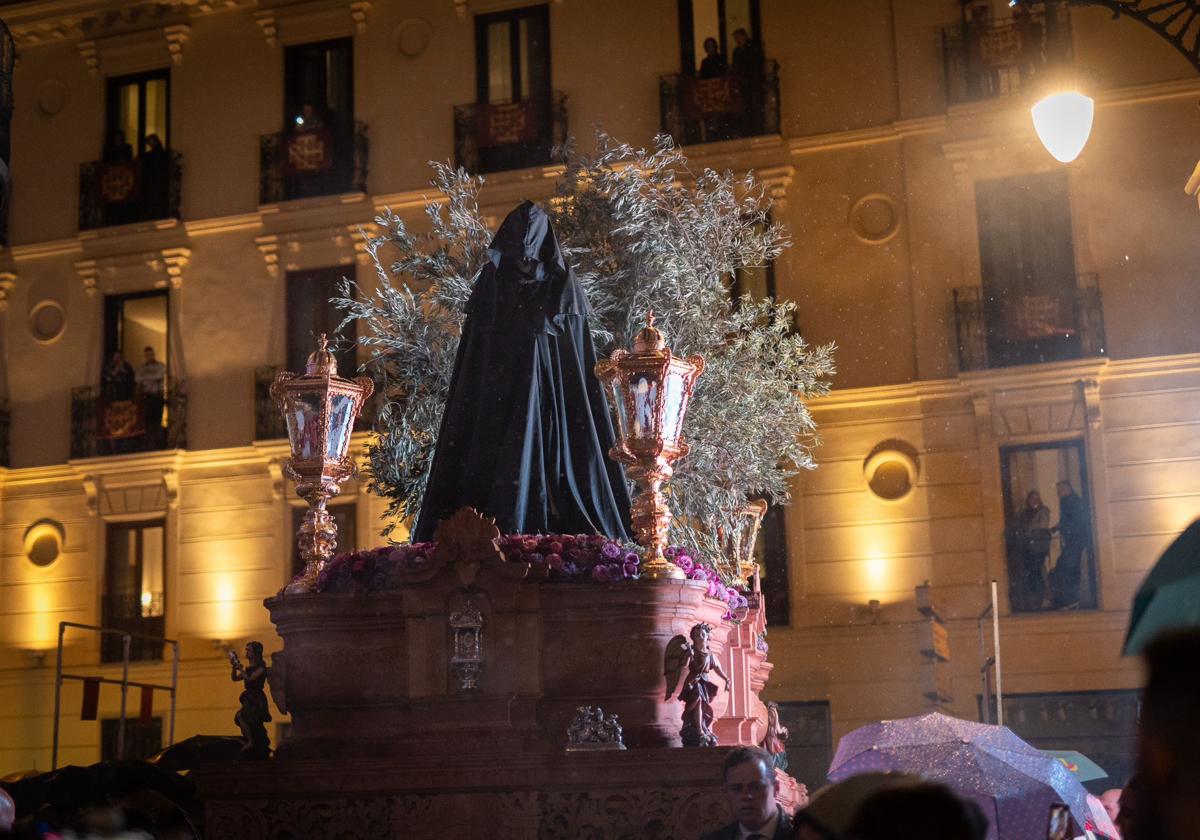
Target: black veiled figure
[(526, 429)]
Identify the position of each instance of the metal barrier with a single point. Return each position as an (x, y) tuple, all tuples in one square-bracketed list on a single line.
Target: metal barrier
[(992, 611), (124, 682)]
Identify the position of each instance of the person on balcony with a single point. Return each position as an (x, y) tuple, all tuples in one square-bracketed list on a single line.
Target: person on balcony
[(749, 66), (714, 65), (156, 176), (1075, 529), (116, 380), (118, 150), (151, 383), (1034, 529)]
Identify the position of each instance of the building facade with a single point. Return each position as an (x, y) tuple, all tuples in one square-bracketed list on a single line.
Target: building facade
[(189, 180)]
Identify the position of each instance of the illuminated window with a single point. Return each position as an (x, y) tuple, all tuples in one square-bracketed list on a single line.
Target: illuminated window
[(134, 588), (512, 55), (310, 313), (138, 108), (700, 20)]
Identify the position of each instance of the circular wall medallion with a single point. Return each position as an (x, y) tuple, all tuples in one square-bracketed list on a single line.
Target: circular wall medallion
[(412, 36), (44, 542), (51, 96), (47, 321), (874, 218), (891, 470)]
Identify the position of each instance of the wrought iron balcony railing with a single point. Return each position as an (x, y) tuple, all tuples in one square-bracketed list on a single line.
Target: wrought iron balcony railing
[(129, 611), (268, 422), (998, 331), (125, 192), (303, 164), (108, 426), (985, 59), (696, 110), (498, 136)]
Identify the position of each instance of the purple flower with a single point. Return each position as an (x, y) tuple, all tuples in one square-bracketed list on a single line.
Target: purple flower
[(670, 552), (630, 569), (397, 556), (554, 561), (632, 557), (611, 551), (712, 588), (514, 556), (537, 559), (684, 562), (601, 574)]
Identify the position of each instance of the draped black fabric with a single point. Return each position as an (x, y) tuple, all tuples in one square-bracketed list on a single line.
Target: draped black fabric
[(526, 429)]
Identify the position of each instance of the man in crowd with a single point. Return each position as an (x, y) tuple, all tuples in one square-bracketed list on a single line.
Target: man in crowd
[(750, 789), (1167, 784)]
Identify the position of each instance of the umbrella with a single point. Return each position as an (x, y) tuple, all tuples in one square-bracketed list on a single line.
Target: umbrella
[(1084, 768), (1101, 819), (1014, 783), (1170, 595), (197, 751)]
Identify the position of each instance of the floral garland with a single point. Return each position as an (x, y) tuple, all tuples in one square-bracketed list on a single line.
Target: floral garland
[(564, 558)]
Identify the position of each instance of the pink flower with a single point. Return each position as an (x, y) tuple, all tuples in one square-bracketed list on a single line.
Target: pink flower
[(554, 561), (555, 547), (698, 574), (684, 562), (529, 544)]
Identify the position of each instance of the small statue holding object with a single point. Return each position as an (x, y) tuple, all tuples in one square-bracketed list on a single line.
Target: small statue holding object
[(697, 691), (774, 741), (254, 715)]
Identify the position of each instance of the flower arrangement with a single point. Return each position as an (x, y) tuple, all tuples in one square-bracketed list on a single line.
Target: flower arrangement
[(565, 558)]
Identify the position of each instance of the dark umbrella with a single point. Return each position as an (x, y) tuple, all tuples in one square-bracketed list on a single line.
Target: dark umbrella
[(1170, 594), (1014, 783), (197, 751)]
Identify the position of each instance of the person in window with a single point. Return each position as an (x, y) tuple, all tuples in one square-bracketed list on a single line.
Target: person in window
[(155, 178), (117, 150), (1034, 529), (1075, 529), (713, 66), (748, 67), (116, 380), (151, 382), (309, 119)]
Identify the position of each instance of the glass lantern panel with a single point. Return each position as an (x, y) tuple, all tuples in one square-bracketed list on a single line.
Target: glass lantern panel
[(304, 425), (673, 408), (645, 406), (341, 424), (618, 398)]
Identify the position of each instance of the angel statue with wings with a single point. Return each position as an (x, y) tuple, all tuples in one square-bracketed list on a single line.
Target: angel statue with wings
[(255, 714), (697, 691)]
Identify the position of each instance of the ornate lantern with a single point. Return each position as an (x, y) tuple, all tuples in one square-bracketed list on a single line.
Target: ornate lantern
[(651, 387), (320, 409), (739, 541)]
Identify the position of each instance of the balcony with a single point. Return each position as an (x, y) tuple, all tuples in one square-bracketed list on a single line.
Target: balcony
[(304, 164), (495, 137), (988, 59), (101, 426), (269, 423), (695, 110), (127, 192), (1028, 329)]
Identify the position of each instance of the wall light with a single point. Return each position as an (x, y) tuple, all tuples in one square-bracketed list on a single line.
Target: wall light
[(891, 470)]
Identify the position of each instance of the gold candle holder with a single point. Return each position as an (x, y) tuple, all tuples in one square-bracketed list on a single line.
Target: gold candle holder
[(651, 387)]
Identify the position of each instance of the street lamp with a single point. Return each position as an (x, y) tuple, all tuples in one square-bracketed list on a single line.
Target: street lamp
[(1063, 122)]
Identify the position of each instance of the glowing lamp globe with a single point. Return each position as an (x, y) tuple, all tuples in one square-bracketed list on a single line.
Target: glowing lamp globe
[(1063, 122)]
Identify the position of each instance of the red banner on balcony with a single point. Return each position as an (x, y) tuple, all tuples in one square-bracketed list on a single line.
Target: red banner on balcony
[(119, 419), (91, 698), (309, 151), (147, 707), (505, 123), (712, 97), (119, 182)]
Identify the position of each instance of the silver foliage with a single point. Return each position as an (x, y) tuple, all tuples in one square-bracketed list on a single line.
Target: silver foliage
[(643, 232)]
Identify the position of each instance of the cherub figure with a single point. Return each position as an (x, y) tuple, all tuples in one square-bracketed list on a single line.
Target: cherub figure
[(697, 691), (254, 714)]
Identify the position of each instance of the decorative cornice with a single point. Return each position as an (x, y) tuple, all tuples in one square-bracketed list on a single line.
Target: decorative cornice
[(177, 35)]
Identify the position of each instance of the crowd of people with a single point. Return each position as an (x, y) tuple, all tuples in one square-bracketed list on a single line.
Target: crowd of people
[(1030, 539), (1160, 802)]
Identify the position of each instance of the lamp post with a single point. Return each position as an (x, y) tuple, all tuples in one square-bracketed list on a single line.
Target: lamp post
[(651, 387), (319, 408)]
